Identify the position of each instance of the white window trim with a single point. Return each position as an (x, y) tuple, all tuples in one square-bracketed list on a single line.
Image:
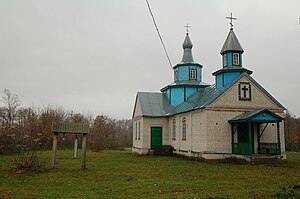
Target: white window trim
[(183, 128), (236, 62), (193, 74), (136, 129), (173, 129), (225, 60), (139, 128)]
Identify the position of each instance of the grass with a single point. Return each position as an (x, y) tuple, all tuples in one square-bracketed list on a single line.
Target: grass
[(118, 174)]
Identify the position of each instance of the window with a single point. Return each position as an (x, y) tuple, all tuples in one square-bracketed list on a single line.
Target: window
[(174, 130), (193, 73), (225, 62), (139, 137), (136, 130), (183, 129), (236, 59), (176, 75)]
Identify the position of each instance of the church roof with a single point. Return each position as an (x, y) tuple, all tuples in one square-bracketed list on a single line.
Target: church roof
[(209, 94), (191, 83), (157, 105), (232, 69), (263, 115), (199, 100), (153, 104), (187, 53), (231, 44)]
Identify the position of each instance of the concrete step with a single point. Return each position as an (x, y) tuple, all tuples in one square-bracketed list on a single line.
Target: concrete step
[(266, 160)]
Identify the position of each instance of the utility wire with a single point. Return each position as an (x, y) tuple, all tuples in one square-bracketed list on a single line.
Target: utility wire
[(157, 30)]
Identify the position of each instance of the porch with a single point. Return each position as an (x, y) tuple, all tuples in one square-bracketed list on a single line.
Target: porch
[(247, 130)]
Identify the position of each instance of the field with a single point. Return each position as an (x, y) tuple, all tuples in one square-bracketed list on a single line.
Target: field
[(118, 174)]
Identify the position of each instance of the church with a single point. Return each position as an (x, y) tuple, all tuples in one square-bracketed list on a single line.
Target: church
[(234, 118)]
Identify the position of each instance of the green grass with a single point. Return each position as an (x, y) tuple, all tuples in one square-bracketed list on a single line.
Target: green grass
[(118, 174)]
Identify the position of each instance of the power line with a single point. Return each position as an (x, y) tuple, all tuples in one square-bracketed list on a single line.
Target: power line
[(157, 30)]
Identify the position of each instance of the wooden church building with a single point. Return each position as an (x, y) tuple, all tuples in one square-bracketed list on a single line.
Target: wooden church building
[(233, 118)]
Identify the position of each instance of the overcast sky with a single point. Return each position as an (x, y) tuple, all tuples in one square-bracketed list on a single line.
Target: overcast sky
[(92, 56)]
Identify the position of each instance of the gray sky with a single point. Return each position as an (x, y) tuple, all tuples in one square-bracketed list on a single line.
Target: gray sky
[(93, 56)]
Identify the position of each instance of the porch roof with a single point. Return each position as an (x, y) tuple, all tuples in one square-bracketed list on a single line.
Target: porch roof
[(259, 116)]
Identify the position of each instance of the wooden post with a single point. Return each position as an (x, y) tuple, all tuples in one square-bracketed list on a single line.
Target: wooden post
[(232, 138), (250, 146), (75, 146), (83, 166), (278, 139), (54, 150), (258, 137)]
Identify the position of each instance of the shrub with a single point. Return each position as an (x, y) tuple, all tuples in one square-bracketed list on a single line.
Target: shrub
[(29, 161), (286, 193)]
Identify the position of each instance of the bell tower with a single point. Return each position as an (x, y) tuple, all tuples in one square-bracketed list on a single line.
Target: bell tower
[(187, 76), (231, 59)]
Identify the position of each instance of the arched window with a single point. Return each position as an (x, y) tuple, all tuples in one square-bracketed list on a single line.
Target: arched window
[(139, 131), (183, 128), (174, 130), (136, 130)]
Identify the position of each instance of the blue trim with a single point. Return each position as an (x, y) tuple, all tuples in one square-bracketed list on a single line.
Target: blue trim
[(264, 90), (229, 59), (263, 116), (229, 84)]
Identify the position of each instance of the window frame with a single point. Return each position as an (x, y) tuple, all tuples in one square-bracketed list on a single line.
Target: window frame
[(136, 130), (241, 97), (193, 74), (174, 129), (139, 130), (225, 60), (236, 62), (176, 75), (183, 129)]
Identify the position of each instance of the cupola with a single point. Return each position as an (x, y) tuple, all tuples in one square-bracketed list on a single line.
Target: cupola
[(231, 59), (187, 76)]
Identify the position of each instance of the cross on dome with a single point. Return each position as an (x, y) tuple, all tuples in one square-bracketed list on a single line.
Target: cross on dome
[(231, 18), (187, 27)]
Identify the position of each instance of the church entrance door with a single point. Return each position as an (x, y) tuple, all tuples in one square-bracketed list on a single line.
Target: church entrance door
[(156, 137), (243, 139)]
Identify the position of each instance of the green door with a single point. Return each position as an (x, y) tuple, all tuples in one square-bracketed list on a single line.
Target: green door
[(243, 139), (156, 137)]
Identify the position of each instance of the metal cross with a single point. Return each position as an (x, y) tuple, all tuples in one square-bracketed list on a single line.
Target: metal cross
[(245, 89), (231, 18), (187, 27)]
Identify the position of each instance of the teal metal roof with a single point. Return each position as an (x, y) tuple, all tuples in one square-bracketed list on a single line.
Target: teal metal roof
[(191, 83), (156, 104), (198, 100), (263, 115), (232, 69), (153, 104), (231, 44)]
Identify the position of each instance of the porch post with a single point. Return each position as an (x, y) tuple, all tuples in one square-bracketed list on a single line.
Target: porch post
[(258, 137), (250, 138), (83, 156), (278, 139), (54, 150), (232, 138)]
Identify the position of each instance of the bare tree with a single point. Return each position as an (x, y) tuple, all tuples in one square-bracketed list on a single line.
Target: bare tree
[(9, 111)]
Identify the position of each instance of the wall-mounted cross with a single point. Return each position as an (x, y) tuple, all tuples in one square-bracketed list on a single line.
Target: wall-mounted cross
[(245, 89), (187, 27), (231, 18)]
